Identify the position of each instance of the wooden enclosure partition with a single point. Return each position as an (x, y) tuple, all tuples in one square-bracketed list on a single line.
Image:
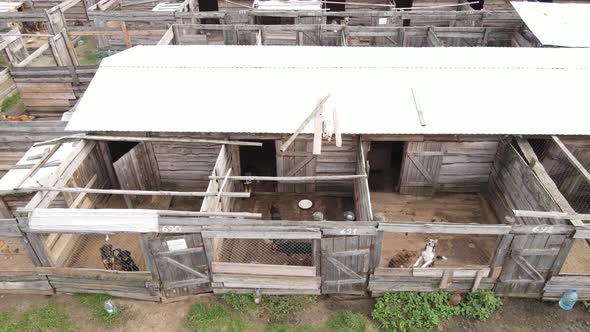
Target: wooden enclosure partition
[(430, 167), (48, 92), (7, 85), (362, 195), (17, 266), (226, 164), (137, 170), (298, 160), (250, 258), (530, 259), (462, 278), (185, 166)]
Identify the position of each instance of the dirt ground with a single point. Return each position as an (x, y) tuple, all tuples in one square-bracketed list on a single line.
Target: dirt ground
[(578, 259), (518, 315)]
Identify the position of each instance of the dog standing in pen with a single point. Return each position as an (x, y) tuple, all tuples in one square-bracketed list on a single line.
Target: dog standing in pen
[(428, 256)]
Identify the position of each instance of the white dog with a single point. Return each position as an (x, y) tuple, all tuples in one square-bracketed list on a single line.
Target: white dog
[(428, 256)]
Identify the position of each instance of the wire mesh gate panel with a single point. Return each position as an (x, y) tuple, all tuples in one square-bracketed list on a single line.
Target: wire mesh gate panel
[(346, 262), (182, 265), (295, 252)]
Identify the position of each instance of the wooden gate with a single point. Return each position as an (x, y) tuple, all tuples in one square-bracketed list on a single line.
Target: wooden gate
[(297, 161), (181, 264), (346, 261), (421, 167), (529, 264)]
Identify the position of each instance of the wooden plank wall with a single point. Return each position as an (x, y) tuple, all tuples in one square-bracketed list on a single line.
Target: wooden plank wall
[(386, 280), (17, 137), (74, 14), (464, 166), (7, 85), (135, 171), (224, 162), (49, 92), (559, 284), (332, 161), (362, 195), (513, 185), (185, 166), (135, 285)]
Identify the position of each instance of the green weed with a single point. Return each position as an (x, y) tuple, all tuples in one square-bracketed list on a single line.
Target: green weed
[(49, 317), (95, 302), (480, 305), (347, 321), (285, 309), (214, 317), (9, 102), (239, 302)]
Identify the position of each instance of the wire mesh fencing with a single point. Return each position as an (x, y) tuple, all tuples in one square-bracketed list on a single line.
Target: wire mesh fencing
[(567, 177), (115, 252), (267, 251)]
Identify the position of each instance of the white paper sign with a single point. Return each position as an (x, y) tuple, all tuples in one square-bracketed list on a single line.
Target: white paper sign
[(382, 20), (174, 245)]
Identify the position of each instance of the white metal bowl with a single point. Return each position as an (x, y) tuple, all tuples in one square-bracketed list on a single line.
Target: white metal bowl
[(305, 204)]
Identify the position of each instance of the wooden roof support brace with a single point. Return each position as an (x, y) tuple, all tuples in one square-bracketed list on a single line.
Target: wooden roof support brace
[(337, 131), (418, 108), (39, 164), (318, 133), (223, 183), (311, 116)]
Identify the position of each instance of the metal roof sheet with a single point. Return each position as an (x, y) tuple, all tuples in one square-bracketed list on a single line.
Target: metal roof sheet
[(557, 24), (268, 89)]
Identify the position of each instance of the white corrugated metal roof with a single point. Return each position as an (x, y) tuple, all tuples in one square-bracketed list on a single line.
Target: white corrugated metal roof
[(269, 89), (557, 24)]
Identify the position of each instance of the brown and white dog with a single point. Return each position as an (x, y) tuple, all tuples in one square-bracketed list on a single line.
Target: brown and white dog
[(428, 256)]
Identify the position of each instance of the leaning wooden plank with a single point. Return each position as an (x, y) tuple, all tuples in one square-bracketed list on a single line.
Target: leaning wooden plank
[(144, 139), (264, 269), (311, 116), (83, 195)]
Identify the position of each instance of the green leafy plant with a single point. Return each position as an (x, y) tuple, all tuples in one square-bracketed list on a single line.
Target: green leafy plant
[(409, 311), (285, 309), (586, 305), (7, 322), (9, 102), (480, 304), (214, 317), (239, 302), (49, 317), (347, 321), (290, 328), (95, 302)]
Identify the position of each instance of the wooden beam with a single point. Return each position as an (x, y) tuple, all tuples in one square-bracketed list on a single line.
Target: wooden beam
[(133, 192), (444, 228), (294, 179), (318, 132), (144, 139), (551, 215), (418, 108), (224, 183), (311, 116)]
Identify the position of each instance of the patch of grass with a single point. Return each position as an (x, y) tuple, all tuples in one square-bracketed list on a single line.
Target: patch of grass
[(95, 302), (285, 309), (49, 317), (291, 328), (7, 322), (94, 57), (214, 317), (347, 321), (3, 61), (9, 102), (239, 302)]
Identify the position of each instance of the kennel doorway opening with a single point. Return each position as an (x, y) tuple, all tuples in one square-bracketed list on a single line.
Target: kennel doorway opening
[(385, 164), (259, 161)]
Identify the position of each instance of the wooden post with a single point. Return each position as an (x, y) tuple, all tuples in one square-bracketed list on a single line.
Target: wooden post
[(126, 35)]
